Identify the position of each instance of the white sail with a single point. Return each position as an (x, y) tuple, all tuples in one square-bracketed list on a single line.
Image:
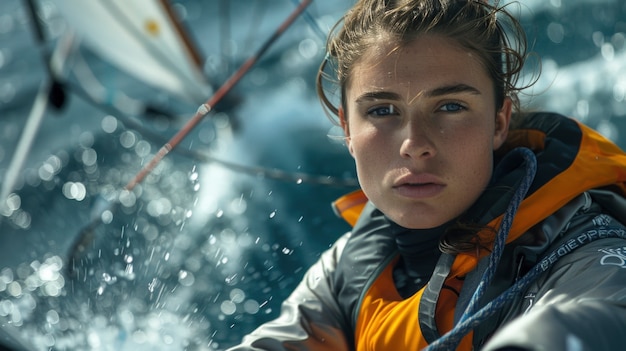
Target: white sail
[(143, 38)]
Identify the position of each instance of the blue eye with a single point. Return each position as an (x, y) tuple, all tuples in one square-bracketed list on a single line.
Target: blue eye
[(452, 107), (381, 111)]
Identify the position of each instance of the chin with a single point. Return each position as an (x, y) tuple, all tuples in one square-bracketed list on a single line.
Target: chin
[(411, 223)]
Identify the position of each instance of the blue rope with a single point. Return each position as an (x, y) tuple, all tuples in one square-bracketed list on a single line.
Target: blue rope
[(505, 227), (470, 317)]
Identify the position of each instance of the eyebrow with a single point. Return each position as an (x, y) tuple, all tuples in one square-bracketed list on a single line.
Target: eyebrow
[(444, 90), (453, 89)]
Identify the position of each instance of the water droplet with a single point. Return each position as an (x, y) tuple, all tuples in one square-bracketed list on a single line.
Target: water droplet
[(237, 295), (127, 198), (608, 51), (106, 277), (13, 202), (238, 205), (153, 284), (251, 306), (14, 289), (212, 239), (127, 317), (186, 278), (143, 148), (52, 317), (52, 289), (308, 48), (228, 307), (74, 191), (107, 217), (89, 157), (556, 32), (128, 139), (109, 124), (168, 339), (46, 172), (231, 279)]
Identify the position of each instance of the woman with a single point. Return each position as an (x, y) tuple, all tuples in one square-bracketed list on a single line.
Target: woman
[(469, 232)]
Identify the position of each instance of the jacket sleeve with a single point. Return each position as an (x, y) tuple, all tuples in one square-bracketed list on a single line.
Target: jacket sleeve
[(581, 305), (310, 318)]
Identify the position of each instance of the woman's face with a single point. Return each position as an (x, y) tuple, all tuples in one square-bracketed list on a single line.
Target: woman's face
[(421, 124)]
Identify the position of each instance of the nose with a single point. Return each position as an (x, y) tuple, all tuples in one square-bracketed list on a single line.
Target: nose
[(417, 141)]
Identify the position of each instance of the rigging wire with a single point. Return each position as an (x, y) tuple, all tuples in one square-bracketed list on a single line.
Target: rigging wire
[(225, 34), (313, 23), (50, 93), (205, 157), (206, 107)]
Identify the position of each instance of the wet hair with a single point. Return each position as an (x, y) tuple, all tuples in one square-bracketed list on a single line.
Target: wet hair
[(484, 29)]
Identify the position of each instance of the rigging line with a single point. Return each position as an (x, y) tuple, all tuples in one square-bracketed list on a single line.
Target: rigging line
[(313, 23), (25, 142), (271, 173), (206, 107), (38, 110), (32, 14), (189, 45), (225, 34)]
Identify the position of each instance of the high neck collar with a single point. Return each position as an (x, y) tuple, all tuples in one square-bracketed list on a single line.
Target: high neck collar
[(415, 242), (419, 252)]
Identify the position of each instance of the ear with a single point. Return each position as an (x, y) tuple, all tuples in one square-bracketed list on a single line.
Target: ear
[(346, 130), (503, 120)]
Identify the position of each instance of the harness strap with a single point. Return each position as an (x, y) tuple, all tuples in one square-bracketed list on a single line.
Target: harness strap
[(428, 302)]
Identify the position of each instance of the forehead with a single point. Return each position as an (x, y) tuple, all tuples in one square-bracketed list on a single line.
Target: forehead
[(425, 59)]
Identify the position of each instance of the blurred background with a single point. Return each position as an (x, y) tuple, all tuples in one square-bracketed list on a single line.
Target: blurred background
[(210, 243)]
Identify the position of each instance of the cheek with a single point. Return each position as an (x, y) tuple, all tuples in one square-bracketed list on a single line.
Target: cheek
[(472, 150), (365, 151), (358, 149)]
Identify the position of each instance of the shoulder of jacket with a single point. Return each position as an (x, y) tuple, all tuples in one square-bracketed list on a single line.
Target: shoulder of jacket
[(586, 240)]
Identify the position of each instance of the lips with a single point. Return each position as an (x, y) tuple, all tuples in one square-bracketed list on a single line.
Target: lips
[(419, 186)]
